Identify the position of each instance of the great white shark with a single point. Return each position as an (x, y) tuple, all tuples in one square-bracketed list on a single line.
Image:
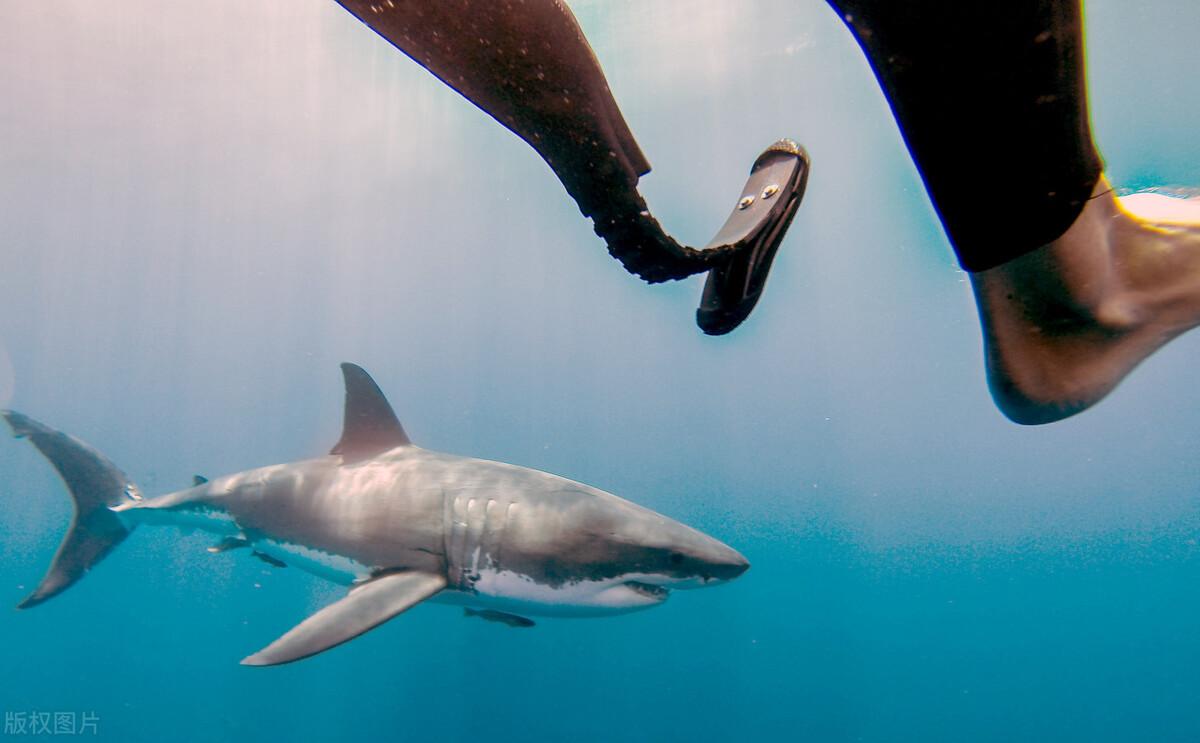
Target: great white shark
[(398, 525)]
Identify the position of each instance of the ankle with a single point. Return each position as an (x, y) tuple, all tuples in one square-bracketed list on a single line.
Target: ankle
[(1065, 323), (1080, 276)]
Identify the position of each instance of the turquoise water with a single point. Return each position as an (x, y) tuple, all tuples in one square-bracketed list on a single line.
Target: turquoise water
[(207, 207)]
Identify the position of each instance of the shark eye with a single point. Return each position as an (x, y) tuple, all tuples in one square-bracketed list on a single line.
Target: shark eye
[(676, 558)]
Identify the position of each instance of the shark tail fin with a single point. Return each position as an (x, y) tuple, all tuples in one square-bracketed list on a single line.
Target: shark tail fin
[(95, 485)]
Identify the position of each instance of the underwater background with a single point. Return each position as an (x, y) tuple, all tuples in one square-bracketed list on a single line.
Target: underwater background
[(207, 207)]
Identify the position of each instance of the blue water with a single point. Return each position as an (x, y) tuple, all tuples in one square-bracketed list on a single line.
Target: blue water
[(208, 206)]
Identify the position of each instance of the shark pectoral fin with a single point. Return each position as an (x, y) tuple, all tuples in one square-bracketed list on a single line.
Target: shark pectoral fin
[(365, 607), (370, 425)]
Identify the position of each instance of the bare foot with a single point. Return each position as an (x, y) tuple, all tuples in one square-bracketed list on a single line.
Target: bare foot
[(1063, 325)]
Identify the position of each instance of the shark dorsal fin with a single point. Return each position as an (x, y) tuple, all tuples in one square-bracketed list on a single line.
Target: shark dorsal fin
[(370, 426), (198, 480)]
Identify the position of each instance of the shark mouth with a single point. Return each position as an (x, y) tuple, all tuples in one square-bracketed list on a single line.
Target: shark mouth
[(648, 590)]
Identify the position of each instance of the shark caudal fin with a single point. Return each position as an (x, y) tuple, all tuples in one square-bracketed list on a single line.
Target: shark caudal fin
[(95, 484)]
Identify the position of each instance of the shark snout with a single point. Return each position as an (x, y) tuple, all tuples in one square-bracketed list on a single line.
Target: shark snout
[(717, 563), (738, 566), (729, 565)]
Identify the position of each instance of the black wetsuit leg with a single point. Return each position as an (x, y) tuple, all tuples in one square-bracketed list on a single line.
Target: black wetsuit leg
[(992, 102)]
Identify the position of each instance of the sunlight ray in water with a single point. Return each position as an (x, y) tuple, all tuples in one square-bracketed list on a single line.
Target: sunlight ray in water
[(208, 206), (7, 377)]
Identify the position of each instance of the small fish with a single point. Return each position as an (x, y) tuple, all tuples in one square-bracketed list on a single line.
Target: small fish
[(272, 561), (228, 543), (491, 615)]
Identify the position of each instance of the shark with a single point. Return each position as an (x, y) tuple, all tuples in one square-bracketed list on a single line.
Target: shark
[(397, 525)]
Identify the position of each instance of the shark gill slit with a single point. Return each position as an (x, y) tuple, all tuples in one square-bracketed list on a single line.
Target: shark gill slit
[(477, 528), (488, 551), (479, 558), (453, 539), (466, 568)]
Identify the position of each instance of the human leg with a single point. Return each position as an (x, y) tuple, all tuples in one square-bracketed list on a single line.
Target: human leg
[(991, 100), (1064, 324), (1074, 289), (529, 66)]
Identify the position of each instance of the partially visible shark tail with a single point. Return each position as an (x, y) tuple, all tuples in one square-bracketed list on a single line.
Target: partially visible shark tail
[(95, 484)]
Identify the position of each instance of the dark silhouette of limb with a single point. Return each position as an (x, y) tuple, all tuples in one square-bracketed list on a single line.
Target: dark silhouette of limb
[(528, 65), (1073, 288), (991, 101)]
